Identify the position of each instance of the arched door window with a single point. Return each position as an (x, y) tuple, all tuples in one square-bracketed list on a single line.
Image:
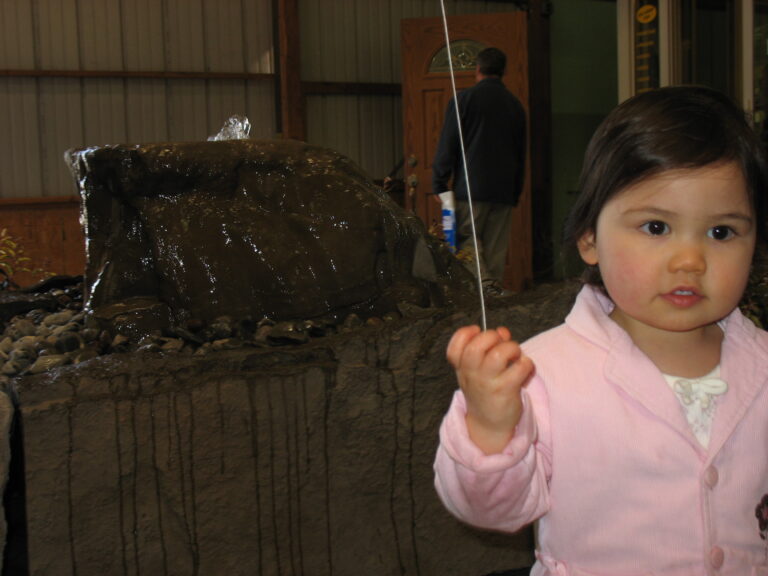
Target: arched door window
[(464, 54)]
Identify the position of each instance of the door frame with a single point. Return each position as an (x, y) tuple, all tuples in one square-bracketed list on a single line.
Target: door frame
[(540, 138), (669, 43)]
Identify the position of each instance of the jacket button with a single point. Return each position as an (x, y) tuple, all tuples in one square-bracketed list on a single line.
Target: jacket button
[(711, 477), (716, 557)]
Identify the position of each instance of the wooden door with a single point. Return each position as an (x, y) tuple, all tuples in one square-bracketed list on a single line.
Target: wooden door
[(426, 91)]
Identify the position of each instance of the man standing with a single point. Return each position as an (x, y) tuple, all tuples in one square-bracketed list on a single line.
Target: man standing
[(493, 124)]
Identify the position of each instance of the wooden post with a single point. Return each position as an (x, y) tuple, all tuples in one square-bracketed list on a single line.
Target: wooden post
[(291, 104)]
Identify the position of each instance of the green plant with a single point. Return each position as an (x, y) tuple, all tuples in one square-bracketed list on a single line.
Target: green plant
[(13, 261)]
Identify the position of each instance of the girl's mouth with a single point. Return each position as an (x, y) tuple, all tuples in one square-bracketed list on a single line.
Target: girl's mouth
[(683, 297)]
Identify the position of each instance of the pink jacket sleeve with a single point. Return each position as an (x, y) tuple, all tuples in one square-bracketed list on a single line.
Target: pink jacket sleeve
[(504, 491)]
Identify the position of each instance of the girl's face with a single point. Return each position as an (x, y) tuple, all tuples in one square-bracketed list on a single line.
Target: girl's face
[(674, 250)]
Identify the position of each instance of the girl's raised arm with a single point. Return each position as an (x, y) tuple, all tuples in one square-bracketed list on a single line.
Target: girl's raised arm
[(491, 370)]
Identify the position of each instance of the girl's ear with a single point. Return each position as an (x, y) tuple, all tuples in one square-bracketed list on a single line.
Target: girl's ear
[(588, 248)]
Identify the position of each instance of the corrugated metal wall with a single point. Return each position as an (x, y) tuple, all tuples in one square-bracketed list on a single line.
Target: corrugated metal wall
[(43, 115), (359, 41)]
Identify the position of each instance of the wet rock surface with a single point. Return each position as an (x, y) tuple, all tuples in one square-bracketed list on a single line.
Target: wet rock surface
[(53, 330), (181, 234), (309, 457)]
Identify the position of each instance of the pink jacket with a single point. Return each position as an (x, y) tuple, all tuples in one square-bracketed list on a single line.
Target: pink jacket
[(605, 458)]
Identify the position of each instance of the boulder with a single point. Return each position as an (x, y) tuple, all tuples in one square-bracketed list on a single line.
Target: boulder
[(257, 228)]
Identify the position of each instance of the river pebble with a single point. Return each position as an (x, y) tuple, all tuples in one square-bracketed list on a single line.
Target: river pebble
[(41, 340)]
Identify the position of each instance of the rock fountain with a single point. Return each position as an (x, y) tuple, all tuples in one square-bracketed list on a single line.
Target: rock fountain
[(252, 457)]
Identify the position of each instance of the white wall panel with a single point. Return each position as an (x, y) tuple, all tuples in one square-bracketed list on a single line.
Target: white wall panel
[(258, 36), (364, 128), (225, 99), (223, 35), (61, 128), (374, 48), (17, 49), (146, 112), (329, 122), (142, 32), (359, 41), (56, 34), (378, 134), (99, 34), (40, 118), (104, 112), (187, 110), (19, 144), (261, 108), (184, 35), (342, 41)]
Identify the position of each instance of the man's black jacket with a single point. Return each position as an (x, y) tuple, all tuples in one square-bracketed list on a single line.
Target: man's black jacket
[(493, 124)]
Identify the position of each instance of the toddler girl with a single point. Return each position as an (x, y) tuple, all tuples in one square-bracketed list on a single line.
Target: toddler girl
[(637, 431)]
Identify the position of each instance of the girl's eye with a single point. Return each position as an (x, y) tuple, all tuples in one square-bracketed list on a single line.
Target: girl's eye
[(721, 233), (655, 228)]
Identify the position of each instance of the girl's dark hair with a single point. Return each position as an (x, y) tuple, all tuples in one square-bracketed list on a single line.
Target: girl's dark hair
[(670, 128)]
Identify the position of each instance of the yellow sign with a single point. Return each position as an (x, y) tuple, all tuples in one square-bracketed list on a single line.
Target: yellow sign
[(646, 14)]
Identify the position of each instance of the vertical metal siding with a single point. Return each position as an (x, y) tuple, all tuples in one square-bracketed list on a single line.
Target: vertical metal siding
[(143, 35), (146, 119), (342, 40), (224, 99), (359, 41), (61, 127), (18, 126), (42, 117), (261, 109), (187, 114), (258, 37), (184, 35), (223, 35), (104, 111), (56, 34), (16, 34), (99, 34)]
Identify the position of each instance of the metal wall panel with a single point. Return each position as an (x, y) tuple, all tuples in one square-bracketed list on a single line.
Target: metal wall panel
[(43, 117), (16, 34), (381, 138), (62, 127), (99, 34), (19, 147), (365, 128), (359, 41), (142, 33), (261, 108), (56, 28), (258, 37), (184, 35), (104, 112), (342, 40), (224, 35), (187, 110), (146, 113), (224, 99)]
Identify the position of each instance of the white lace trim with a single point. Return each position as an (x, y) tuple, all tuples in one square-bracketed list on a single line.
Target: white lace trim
[(698, 397)]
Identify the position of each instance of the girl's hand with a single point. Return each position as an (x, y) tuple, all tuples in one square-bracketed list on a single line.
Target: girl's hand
[(491, 370)]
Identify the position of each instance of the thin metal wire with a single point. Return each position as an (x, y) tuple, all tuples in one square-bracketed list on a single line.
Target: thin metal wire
[(466, 171)]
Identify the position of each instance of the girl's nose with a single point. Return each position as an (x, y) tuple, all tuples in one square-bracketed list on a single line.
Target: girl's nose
[(688, 257)]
